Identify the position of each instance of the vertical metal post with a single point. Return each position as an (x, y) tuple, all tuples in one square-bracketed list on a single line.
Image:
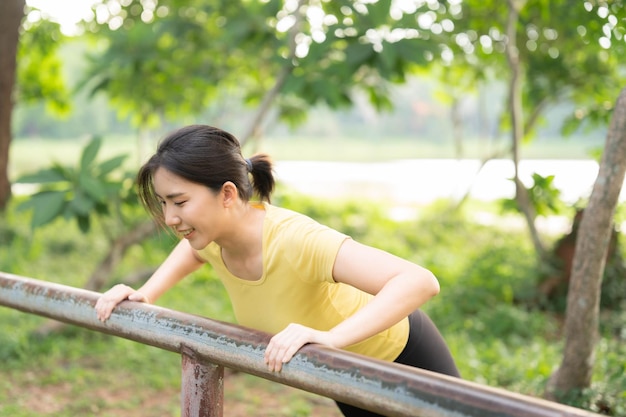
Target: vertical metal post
[(202, 387)]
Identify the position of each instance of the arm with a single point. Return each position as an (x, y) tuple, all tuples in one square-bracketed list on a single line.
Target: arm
[(181, 262), (399, 286)]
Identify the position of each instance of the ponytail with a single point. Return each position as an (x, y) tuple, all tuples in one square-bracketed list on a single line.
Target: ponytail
[(260, 169)]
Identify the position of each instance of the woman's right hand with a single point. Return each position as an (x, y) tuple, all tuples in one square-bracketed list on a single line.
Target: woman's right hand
[(110, 299)]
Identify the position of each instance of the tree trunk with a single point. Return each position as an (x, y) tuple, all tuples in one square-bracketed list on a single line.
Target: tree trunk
[(101, 274), (583, 299), (11, 14), (118, 248), (517, 125)]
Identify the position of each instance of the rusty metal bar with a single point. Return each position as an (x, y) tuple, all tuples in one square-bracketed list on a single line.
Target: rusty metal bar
[(202, 387), (387, 388)]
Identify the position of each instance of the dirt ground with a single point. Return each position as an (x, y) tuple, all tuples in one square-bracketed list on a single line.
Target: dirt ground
[(244, 396)]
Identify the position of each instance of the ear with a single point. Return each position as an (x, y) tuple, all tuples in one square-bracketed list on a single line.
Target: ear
[(229, 193)]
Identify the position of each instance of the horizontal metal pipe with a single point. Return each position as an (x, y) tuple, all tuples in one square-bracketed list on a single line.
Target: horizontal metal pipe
[(387, 388)]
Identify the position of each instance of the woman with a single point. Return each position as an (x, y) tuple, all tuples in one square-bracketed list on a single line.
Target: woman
[(285, 273)]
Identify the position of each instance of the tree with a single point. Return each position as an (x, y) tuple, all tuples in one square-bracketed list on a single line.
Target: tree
[(516, 115), (29, 71), (177, 59), (11, 14), (289, 55), (550, 52), (583, 299)]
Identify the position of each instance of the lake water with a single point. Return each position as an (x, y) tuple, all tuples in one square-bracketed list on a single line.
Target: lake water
[(420, 181), (405, 185)]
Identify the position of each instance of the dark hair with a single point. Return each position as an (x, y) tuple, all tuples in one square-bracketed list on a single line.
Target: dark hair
[(209, 156)]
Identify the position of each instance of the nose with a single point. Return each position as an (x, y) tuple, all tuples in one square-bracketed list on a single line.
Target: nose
[(171, 219)]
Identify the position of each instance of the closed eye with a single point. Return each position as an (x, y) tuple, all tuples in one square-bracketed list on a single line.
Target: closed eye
[(179, 203)]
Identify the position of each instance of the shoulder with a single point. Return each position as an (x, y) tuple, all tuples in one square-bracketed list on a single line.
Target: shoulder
[(302, 243), (283, 221)]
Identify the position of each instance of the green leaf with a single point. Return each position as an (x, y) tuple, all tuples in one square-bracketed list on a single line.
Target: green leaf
[(357, 55), (379, 11), (115, 189), (40, 70), (81, 205), (111, 164), (89, 153), (102, 209), (47, 206), (83, 223), (92, 187), (43, 176)]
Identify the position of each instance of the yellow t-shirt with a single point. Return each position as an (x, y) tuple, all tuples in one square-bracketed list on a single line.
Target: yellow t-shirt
[(297, 285)]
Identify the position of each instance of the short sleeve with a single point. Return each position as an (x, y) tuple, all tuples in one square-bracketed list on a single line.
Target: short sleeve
[(309, 248)]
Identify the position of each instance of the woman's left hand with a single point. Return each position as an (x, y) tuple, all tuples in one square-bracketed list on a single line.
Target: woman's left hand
[(285, 344)]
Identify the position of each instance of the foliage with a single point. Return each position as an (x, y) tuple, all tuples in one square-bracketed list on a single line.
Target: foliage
[(171, 66), (568, 52), (79, 192), (545, 197), (39, 75), (614, 284), (186, 54)]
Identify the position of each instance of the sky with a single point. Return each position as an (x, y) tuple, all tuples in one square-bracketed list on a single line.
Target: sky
[(65, 12)]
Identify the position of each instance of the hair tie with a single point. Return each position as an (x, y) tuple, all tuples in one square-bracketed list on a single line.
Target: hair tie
[(249, 164)]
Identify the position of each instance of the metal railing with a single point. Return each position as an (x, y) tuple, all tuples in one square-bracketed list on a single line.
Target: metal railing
[(207, 346)]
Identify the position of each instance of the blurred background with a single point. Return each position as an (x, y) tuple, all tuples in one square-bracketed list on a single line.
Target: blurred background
[(463, 135)]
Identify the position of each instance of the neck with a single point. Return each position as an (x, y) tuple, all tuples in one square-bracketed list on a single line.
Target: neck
[(247, 231)]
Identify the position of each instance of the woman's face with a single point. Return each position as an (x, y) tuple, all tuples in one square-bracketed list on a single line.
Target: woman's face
[(192, 210)]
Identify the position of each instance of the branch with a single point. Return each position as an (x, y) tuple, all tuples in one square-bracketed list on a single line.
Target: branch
[(282, 78)]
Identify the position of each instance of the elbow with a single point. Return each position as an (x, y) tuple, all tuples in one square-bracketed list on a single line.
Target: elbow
[(424, 284), (434, 284), (428, 284)]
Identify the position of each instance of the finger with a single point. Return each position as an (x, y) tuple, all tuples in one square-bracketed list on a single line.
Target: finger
[(101, 308), (273, 353), (283, 356), (278, 345), (104, 310), (283, 346), (290, 352), (107, 301), (269, 356), (137, 296)]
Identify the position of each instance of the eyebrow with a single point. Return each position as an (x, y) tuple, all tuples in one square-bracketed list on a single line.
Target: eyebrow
[(170, 196)]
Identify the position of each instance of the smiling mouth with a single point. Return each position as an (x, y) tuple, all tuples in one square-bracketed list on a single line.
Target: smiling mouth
[(186, 233)]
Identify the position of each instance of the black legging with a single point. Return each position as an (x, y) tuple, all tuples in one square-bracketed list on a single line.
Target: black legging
[(425, 349)]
